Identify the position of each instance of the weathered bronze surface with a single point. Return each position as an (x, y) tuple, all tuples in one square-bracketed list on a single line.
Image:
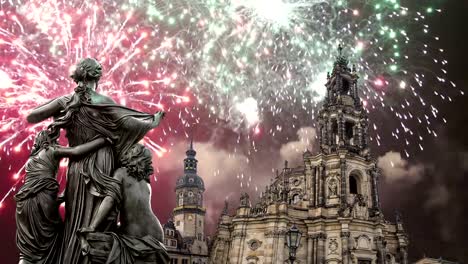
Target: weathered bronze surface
[(100, 182)]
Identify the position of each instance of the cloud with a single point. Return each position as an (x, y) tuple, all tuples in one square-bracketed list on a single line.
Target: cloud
[(395, 168), (438, 197), (292, 151)]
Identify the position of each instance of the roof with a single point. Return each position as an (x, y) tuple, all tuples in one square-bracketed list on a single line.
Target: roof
[(190, 180)]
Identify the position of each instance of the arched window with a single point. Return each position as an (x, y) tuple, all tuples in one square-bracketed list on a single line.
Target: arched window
[(181, 199), (334, 129), (349, 132), (295, 199), (353, 184)]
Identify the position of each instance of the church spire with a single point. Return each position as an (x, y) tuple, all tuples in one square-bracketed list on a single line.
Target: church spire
[(190, 162), (343, 120)]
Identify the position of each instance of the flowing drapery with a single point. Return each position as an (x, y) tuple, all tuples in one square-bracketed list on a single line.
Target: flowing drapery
[(89, 178)]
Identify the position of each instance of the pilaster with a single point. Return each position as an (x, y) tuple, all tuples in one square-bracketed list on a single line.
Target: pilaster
[(344, 179)]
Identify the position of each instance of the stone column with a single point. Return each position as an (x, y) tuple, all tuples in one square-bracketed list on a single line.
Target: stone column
[(327, 129), (322, 237), (235, 252), (345, 247), (227, 248), (313, 199), (341, 129), (310, 249), (381, 245), (344, 180), (365, 136), (281, 237), (317, 184), (323, 176), (359, 141), (320, 179), (321, 133), (375, 173), (403, 255), (356, 94)]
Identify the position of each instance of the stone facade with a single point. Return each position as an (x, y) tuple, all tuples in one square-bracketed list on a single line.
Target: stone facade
[(333, 198), (185, 233), (427, 260)]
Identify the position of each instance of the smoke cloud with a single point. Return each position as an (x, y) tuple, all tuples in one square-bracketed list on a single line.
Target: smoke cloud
[(395, 168), (292, 151)]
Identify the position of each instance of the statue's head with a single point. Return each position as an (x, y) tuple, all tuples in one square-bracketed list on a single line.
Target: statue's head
[(138, 162), (88, 69), (42, 141)]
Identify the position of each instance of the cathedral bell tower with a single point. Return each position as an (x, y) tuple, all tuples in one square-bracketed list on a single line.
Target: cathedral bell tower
[(189, 213), (342, 120), (332, 198), (343, 131)]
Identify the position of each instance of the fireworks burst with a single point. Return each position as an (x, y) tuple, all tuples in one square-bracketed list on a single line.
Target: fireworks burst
[(236, 59)]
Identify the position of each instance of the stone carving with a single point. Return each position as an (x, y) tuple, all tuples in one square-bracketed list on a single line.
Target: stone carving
[(333, 246), (320, 235), (362, 242), (259, 209), (244, 200), (237, 234), (225, 208), (275, 233), (345, 233), (254, 244), (359, 207), (332, 188), (92, 180), (252, 259)]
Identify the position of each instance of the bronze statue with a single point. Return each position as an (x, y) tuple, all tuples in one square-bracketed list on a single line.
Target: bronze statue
[(86, 115), (38, 221), (140, 233)]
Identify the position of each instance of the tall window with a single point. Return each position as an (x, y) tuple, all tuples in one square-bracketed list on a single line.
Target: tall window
[(295, 199), (349, 132), (173, 243), (181, 199), (353, 184), (334, 129)]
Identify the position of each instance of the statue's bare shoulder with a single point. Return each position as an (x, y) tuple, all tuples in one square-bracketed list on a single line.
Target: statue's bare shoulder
[(101, 99)]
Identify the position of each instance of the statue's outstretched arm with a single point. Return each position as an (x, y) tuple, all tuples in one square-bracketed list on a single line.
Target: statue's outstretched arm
[(80, 150), (49, 109)]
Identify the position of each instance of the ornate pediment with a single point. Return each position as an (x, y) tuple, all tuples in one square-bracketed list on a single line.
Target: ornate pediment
[(363, 242)]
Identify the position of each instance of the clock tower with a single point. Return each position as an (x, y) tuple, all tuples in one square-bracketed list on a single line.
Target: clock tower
[(189, 213)]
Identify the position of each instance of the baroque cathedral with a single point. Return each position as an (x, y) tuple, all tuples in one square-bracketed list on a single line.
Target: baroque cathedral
[(333, 198), (184, 235)]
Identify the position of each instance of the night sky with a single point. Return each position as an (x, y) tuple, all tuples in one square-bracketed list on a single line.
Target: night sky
[(429, 188)]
